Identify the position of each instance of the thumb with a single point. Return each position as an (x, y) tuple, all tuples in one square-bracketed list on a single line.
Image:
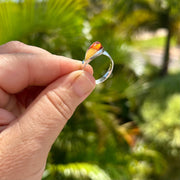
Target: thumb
[(48, 114), (27, 141)]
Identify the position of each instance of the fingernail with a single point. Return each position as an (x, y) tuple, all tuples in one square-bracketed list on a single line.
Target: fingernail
[(84, 84)]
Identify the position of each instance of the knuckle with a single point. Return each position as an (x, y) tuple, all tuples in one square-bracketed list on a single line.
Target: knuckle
[(14, 44), (61, 104)]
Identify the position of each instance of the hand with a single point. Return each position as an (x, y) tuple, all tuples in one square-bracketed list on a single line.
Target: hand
[(38, 94)]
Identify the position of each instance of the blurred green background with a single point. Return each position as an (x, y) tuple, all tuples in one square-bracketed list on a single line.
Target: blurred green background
[(129, 127)]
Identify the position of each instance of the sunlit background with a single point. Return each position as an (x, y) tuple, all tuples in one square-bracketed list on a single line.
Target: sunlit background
[(129, 128)]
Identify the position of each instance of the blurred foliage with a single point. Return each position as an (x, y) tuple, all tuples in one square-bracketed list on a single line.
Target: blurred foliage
[(161, 126), (150, 15), (77, 171), (40, 23), (128, 128)]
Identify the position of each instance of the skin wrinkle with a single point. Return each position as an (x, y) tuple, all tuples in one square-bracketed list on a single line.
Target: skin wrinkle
[(13, 159), (28, 74), (31, 145), (66, 109), (56, 107), (47, 126), (63, 108)]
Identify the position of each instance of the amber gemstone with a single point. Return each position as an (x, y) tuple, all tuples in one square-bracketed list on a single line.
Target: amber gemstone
[(95, 47)]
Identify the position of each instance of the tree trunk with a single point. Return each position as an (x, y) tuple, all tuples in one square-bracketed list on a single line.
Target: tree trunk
[(165, 63)]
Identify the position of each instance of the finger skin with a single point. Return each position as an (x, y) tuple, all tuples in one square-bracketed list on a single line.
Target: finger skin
[(19, 71), (23, 65), (22, 70), (5, 119), (57, 103), (36, 130), (19, 47), (26, 140)]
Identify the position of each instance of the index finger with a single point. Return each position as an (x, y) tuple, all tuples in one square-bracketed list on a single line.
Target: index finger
[(19, 47), (18, 71)]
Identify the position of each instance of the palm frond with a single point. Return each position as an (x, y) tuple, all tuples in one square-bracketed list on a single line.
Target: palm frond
[(75, 171), (21, 20)]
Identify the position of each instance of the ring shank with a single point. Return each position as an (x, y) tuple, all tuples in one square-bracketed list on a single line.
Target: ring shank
[(110, 69)]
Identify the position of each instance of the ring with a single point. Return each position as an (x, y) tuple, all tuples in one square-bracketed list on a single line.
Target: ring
[(95, 50)]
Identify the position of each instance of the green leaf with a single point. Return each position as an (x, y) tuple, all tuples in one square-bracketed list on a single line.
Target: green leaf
[(75, 171)]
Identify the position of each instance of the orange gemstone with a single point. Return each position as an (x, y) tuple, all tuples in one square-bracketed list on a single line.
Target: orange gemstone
[(96, 45), (89, 53)]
